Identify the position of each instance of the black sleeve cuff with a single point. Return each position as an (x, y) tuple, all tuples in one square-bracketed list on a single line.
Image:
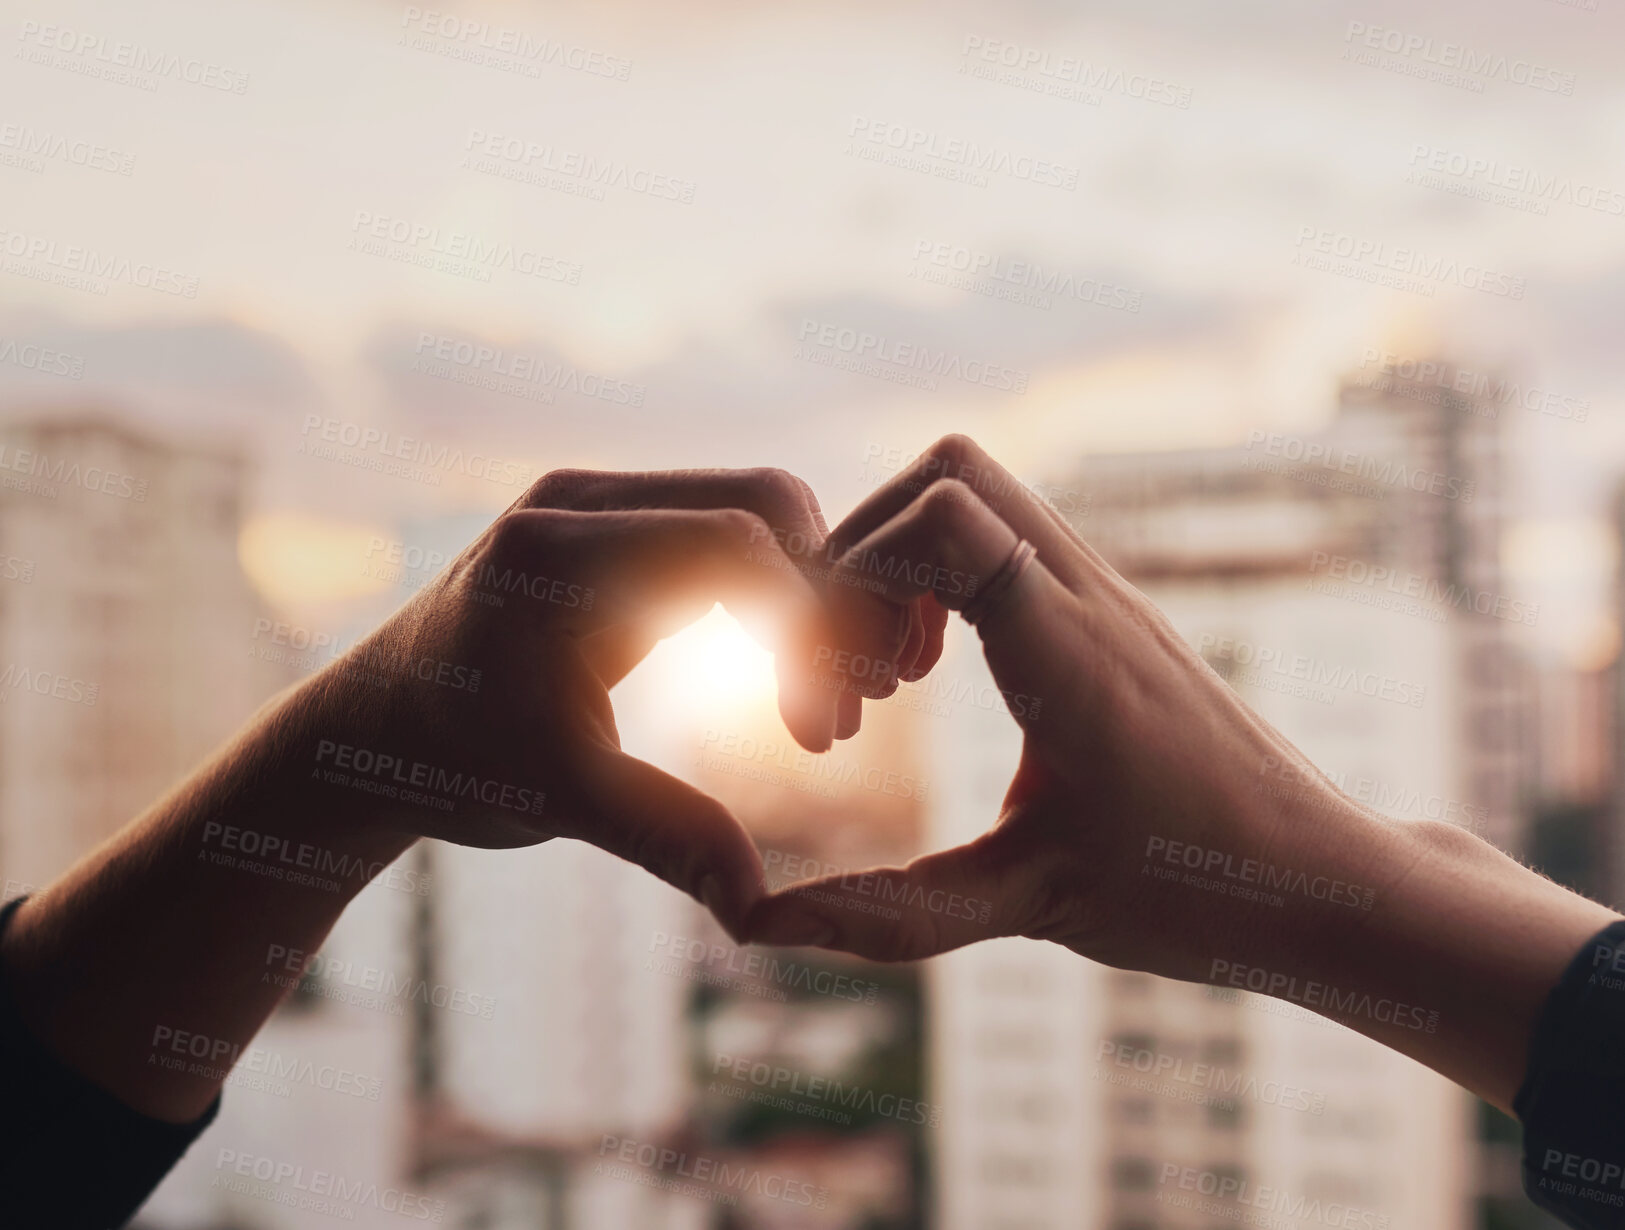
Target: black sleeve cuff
[(1572, 1103), (71, 1154)]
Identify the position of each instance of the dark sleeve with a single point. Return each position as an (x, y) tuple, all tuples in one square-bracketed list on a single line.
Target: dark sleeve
[(1572, 1103), (71, 1155)]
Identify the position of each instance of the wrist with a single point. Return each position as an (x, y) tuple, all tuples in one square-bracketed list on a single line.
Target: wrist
[(1453, 962)]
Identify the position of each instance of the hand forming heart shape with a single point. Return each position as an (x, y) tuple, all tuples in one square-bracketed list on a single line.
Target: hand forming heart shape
[(574, 584), (1135, 744)]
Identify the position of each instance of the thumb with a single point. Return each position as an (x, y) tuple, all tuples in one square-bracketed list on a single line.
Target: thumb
[(936, 903), (667, 827)]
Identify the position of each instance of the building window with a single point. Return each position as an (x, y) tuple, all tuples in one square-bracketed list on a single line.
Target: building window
[(1137, 1111), (1133, 1174)]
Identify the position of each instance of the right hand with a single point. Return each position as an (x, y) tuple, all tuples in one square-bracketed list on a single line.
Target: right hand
[(1137, 744)]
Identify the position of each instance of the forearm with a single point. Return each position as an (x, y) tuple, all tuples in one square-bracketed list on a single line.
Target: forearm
[(162, 928), (1452, 962)]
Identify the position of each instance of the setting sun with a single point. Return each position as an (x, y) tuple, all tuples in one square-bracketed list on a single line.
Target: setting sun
[(713, 663)]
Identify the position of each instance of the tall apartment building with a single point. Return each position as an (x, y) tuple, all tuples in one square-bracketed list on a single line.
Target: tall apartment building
[(1347, 583), (126, 628)]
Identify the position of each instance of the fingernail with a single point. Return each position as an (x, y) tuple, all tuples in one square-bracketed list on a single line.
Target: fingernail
[(796, 927)]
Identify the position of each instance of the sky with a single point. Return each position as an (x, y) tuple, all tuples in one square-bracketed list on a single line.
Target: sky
[(1179, 161)]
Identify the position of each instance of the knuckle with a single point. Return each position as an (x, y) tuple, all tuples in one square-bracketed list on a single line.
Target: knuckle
[(508, 535), (558, 486), (948, 503), (522, 535), (783, 486), (741, 526), (956, 449)]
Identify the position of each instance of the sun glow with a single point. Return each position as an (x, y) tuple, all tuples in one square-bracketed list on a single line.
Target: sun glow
[(714, 663)]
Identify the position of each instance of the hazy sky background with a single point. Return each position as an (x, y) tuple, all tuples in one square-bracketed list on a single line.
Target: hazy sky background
[(1198, 209)]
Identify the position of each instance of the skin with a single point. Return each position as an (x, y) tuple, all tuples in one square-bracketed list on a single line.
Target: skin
[(591, 569), (1138, 742)]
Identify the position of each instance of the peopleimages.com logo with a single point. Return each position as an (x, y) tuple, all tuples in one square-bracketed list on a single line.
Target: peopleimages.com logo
[(1227, 1189), (1453, 595), (1334, 1002), (1335, 459), (1221, 864), (668, 1167), (1306, 671)]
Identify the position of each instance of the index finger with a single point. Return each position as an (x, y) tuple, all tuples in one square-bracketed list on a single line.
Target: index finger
[(961, 459)]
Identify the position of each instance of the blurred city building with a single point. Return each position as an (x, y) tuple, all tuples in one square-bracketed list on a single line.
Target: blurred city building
[(126, 628)]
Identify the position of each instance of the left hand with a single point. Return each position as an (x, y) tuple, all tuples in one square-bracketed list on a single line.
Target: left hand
[(556, 602)]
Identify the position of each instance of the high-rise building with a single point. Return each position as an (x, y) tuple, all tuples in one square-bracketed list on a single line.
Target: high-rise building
[(1347, 583), (126, 628)]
